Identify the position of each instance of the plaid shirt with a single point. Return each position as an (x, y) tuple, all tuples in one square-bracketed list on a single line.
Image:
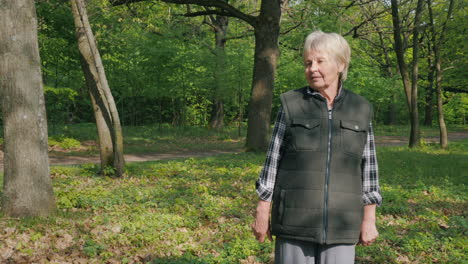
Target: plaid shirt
[(266, 181)]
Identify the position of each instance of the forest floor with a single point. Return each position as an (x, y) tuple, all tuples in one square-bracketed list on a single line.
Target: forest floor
[(196, 207), (57, 157)]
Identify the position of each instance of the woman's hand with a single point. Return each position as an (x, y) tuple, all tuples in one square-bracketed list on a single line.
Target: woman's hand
[(369, 231), (261, 226)]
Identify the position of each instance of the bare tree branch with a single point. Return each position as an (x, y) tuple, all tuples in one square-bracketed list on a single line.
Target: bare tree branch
[(448, 68), (212, 18), (124, 2), (205, 13), (241, 36), (292, 28), (230, 10), (455, 90), (355, 3), (364, 22)]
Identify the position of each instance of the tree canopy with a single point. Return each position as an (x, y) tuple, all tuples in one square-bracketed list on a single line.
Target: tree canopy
[(161, 67)]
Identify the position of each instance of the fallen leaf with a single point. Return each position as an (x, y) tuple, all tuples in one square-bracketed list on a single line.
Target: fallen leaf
[(80, 261), (9, 230), (6, 253), (64, 242), (443, 225), (116, 229), (403, 259)]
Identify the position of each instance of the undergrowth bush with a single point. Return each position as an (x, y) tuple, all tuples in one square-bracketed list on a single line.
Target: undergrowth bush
[(64, 142)]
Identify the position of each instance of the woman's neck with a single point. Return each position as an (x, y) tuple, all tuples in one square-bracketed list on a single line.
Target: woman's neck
[(330, 94)]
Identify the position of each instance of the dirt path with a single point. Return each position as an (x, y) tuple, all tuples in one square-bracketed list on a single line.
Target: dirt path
[(75, 160)]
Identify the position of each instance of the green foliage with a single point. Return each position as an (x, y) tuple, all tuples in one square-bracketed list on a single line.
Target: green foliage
[(108, 171), (81, 132), (92, 249), (63, 142), (59, 103), (456, 110), (163, 68)]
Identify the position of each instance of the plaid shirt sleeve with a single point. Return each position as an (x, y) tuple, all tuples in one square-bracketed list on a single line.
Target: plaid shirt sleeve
[(266, 181), (370, 169)]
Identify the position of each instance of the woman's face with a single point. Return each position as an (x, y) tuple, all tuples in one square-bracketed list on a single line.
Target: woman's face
[(321, 70)]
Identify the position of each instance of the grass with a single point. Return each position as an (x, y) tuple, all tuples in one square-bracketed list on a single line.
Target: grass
[(147, 139), (199, 211), (166, 212), (169, 139), (404, 130), (423, 218)]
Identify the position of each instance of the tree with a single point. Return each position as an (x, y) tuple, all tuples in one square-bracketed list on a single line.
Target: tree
[(27, 188), (411, 87), (430, 86), (266, 30), (107, 117), (220, 26), (374, 31), (438, 41)]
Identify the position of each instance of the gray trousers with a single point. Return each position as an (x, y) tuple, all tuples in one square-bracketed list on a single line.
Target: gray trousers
[(289, 251)]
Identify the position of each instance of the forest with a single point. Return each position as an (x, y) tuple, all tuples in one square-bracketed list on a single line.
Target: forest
[(191, 87), (165, 64)]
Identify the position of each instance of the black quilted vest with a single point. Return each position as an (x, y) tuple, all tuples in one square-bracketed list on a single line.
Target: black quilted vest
[(318, 191)]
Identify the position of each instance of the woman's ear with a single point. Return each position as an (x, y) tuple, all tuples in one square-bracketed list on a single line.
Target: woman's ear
[(341, 67)]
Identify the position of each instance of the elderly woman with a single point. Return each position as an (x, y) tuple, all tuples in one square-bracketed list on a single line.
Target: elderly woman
[(321, 167)]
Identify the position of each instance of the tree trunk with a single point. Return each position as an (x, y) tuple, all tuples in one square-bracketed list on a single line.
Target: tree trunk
[(27, 187), (391, 111), (220, 25), (429, 95), (415, 132), (217, 114), (392, 106), (101, 91), (400, 53), (265, 62), (438, 61), (104, 134), (410, 89), (443, 138)]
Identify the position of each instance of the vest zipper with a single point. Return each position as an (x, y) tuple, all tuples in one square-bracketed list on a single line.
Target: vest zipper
[(327, 177)]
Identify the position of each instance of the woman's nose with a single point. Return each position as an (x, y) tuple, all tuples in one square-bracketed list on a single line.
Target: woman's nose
[(313, 67)]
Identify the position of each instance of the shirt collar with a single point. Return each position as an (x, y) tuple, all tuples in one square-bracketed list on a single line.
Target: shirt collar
[(313, 92)]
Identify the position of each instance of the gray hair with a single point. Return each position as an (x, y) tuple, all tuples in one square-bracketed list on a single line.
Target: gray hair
[(333, 44)]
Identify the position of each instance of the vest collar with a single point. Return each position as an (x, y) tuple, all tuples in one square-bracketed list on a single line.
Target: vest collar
[(314, 93)]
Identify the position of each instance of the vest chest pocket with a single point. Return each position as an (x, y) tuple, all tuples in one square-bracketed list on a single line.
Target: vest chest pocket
[(353, 137), (306, 133)]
